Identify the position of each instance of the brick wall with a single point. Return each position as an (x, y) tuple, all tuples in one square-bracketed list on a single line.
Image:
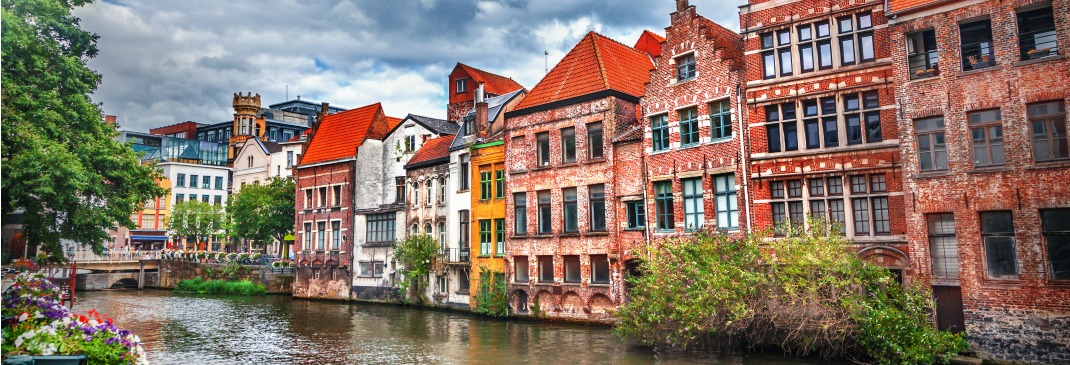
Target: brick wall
[(326, 266)]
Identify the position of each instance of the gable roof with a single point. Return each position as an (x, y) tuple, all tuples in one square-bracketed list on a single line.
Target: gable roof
[(896, 6), (492, 83), (433, 152), (650, 43), (339, 135), (596, 63), (438, 126)]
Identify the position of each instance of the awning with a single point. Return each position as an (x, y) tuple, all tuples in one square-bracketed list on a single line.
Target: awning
[(148, 238)]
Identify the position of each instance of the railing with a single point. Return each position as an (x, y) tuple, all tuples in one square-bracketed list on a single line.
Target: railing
[(322, 256), (455, 255), (923, 64), (978, 55), (1038, 43), (112, 255)]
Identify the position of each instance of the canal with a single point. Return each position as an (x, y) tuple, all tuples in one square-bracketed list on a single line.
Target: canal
[(194, 329)]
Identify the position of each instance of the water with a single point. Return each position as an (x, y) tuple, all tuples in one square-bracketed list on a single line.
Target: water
[(196, 329)]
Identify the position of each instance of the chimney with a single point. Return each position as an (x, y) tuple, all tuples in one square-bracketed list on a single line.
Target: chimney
[(481, 112), (681, 5), (111, 120)]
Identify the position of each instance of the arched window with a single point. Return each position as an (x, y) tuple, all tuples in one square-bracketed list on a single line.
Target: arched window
[(427, 229), (250, 161)]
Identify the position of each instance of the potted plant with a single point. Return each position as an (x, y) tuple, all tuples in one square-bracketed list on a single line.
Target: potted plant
[(929, 72), (982, 61), (1036, 53)]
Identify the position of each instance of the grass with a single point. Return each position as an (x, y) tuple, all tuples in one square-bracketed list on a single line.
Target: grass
[(201, 286)]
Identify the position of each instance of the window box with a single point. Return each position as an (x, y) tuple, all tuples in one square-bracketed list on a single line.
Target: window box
[(921, 74), (1040, 53)]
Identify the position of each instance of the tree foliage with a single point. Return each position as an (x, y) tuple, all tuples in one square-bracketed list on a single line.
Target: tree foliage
[(62, 162), (263, 213), (195, 220), (806, 293), (492, 296), (414, 256)]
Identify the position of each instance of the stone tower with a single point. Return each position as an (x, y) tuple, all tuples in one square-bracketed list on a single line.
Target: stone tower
[(247, 122)]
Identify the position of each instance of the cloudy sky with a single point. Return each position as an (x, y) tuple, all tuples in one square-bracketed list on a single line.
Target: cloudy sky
[(164, 62)]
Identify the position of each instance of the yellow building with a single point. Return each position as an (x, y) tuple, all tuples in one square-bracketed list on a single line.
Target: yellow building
[(488, 213), (150, 232)]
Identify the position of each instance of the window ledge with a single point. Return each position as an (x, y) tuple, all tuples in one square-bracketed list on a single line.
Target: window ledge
[(980, 70), (518, 172), (1039, 60), (598, 233), (1049, 165), (1057, 283), (990, 169), (539, 168), (595, 160), (933, 174), (483, 257), (635, 229), (572, 283), (1001, 283), (677, 82), (542, 235), (891, 143), (519, 236), (600, 285), (569, 234), (722, 140), (461, 292), (568, 164)]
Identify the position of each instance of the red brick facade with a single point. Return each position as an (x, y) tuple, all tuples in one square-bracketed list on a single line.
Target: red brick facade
[(821, 110), (187, 130), (1012, 304)]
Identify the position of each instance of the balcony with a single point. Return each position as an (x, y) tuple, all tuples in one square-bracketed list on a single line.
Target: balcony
[(322, 258), (455, 256)]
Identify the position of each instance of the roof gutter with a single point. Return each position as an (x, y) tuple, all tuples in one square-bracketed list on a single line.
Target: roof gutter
[(431, 162), (302, 166)]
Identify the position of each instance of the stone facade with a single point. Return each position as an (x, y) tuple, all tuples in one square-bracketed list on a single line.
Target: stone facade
[(428, 216), (1014, 304)]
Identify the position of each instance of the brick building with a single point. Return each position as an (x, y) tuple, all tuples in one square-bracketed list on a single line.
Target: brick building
[(982, 91), (694, 160), (324, 213), (463, 81), (823, 137), (567, 144), (428, 171), (186, 130)]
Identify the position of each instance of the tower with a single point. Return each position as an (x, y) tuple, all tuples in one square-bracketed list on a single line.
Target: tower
[(247, 122)]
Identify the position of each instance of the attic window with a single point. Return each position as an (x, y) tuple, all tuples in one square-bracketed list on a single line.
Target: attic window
[(685, 67), (462, 85)]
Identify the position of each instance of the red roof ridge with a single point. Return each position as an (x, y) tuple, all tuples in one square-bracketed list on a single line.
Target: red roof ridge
[(494, 83), (431, 149), (601, 62)]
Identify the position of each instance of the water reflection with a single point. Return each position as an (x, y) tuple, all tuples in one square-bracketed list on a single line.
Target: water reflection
[(191, 329)]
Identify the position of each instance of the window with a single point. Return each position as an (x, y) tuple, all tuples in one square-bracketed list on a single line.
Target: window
[(206, 182), (410, 143), (943, 247), (787, 208), (781, 127), (442, 234), (442, 190), (568, 144), (572, 268), (499, 236), (464, 173), (685, 67), (427, 229), (399, 189), (663, 206), (204, 198), (694, 215), (336, 235), (484, 183), (600, 269), (308, 199), (784, 52), (781, 51), (465, 232), (922, 58), (862, 117), (193, 197), (218, 200), (856, 39), (148, 221), (594, 141), (193, 181), (289, 159), (336, 195), (371, 269), (180, 181), (520, 269), (179, 198), (1036, 33), (720, 119), (689, 127), (543, 141), (545, 216), (462, 278), (569, 212), (250, 159), (322, 197), (659, 132), (1049, 131), (219, 183), (429, 190), (976, 45), (462, 85), (520, 214), (415, 229), (932, 149), (380, 228), (987, 136), (997, 233), (724, 190), (1055, 224), (597, 208), (820, 122), (806, 47), (636, 214), (871, 213), (307, 234), (546, 269), (321, 235), (499, 184)]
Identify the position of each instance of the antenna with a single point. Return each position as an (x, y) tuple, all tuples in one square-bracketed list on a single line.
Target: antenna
[(546, 61)]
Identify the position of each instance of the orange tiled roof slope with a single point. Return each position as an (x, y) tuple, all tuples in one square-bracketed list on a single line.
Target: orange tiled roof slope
[(434, 148), (492, 83), (339, 134), (649, 42), (900, 5), (595, 64)]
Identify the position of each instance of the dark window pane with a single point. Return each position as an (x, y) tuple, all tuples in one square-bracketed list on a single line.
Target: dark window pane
[(769, 64), (824, 54), (854, 129), (767, 40), (832, 137), (822, 29), (1000, 256), (773, 137), (791, 139), (873, 127), (813, 133)]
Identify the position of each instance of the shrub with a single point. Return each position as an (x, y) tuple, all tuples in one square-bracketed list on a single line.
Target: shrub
[(415, 255), (200, 286), (491, 297)]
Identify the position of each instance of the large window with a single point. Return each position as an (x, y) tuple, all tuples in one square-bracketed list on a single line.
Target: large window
[(484, 237), (685, 67), (520, 269), (1036, 32), (819, 122), (499, 184), (572, 268), (520, 214), (569, 210), (720, 119), (336, 234), (180, 181), (805, 38), (826, 201), (862, 117), (594, 141), (546, 269), (499, 236), (321, 235), (986, 131), (464, 173), (484, 183), (724, 190), (543, 142), (663, 205), (787, 205), (464, 238), (636, 214), (568, 144), (943, 247), (597, 207), (659, 132), (219, 183), (380, 228), (1050, 142), (689, 127), (976, 45), (1001, 257), (869, 201), (694, 212), (776, 54), (922, 56), (856, 38), (307, 236), (781, 128), (545, 213), (932, 149), (1056, 226), (600, 269)]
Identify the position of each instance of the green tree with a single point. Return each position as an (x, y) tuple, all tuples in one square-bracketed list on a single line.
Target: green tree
[(414, 255), (196, 220), (263, 213), (62, 162)]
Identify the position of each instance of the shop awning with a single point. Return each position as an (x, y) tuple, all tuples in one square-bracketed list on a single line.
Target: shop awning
[(148, 238)]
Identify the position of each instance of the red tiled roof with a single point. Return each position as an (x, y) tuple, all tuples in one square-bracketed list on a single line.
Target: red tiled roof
[(339, 135), (392, 122), (432, 149), (595, 64), (492, 83), (649, 42), (900, 5), (299, 135)]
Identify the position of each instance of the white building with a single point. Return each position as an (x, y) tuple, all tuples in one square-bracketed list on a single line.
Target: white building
[(252, 163)]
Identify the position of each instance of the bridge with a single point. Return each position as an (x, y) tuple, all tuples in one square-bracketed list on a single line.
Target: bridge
[(116, 269)]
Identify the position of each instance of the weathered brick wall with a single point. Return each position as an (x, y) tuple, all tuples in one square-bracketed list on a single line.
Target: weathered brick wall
[(1028, 318), (322, 283), (456, 111), (318, 280)]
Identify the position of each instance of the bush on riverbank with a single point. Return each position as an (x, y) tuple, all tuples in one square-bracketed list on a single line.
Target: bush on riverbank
[(415, 254), (491, 298), (201, 286), (805, 293)]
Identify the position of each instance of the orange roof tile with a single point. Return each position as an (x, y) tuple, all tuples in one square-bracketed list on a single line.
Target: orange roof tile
[(900, 5), (649, 42), (339, 135), (432, 149), (595, 64), (492, 83)]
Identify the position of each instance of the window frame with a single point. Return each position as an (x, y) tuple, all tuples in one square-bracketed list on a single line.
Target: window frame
[(499, 184), (545, 268), (999, 234), (542, 152), (693, 190), (380, 228), (986, 129), (485, 181), (570, 210), (573, 268), (1022, 20), (686, 69), (499, 236), (596, 205), (920, 57), (659, 132), (595, 141), (485, 238), (636, 211), (937, 224), (663, 206), (1049, 121), (723, 200), (691, 136), (544, 201), (1049, 230), (521, 266), (568, 145), (985, 46), (520, 214), (932, 135), (720, 120)]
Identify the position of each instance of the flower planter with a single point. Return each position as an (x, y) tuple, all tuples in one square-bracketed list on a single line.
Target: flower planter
[(47, 360), (982, 64), (922, 75), (1040, 54)]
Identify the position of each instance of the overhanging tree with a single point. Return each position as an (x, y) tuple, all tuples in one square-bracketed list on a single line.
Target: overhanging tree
[(62, 162), (263, 213), (196, 220)]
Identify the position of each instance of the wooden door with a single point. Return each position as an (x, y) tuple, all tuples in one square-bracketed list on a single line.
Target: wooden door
[(949, 315)]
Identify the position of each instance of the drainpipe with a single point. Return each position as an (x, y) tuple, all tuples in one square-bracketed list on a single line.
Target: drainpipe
[(743, 155)]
